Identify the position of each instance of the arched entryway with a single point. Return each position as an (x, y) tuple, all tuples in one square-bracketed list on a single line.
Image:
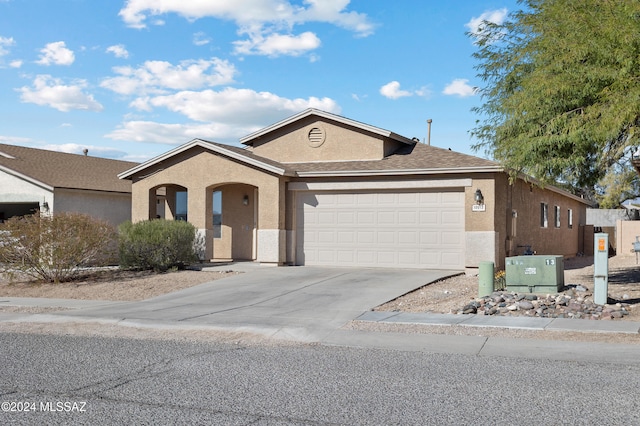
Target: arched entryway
[(168, 202)]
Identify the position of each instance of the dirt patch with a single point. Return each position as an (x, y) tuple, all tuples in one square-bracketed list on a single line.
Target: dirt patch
[(112, 284)]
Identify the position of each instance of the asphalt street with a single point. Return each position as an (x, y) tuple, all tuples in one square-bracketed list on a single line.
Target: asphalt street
[(101, 380)]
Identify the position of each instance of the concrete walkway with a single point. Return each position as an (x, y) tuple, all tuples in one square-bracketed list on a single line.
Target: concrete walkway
[(311, 304)]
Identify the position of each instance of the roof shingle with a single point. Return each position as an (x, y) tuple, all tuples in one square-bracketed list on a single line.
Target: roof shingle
[(62, 170)]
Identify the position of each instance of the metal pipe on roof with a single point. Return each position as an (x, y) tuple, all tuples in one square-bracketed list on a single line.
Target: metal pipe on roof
[(429, 131)]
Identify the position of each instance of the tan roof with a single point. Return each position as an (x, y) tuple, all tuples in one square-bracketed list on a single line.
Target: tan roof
[(62, 170)]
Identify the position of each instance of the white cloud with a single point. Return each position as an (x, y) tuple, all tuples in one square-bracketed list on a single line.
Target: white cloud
[(392, 91), (118, 50), (219, 116), (4, 43), (237, 105), (15, 140), (200, 39), (477, 25), (158, 76), (174, 134), (278, 44), (333, 11), (49, 91), (16, 63), (263, 20), (459, 87), (56, 53)]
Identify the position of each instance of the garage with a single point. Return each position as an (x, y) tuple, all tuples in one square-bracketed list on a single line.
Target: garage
[(397, 229)]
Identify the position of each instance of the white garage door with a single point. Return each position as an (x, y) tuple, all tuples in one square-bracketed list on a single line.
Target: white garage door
[(381, 229)]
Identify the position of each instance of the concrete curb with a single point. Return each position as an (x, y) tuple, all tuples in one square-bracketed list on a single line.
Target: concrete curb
[(521, 323)]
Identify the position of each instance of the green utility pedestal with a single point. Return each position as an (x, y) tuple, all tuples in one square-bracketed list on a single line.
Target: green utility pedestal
[(600, 268), (485, 279)]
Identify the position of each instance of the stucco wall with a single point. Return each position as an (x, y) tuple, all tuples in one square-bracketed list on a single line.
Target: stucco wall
[(205, 170), (237, 233), (110, 206), (291, 144), (16, 190), (626, 233), (201, 172)]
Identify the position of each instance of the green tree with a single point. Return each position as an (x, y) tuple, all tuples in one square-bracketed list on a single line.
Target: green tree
[(561, 100)]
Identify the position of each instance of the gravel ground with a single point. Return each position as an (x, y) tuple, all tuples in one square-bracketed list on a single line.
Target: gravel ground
[(452, 294)]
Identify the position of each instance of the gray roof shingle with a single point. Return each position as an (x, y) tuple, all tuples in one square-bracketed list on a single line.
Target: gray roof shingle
[(62, 170)]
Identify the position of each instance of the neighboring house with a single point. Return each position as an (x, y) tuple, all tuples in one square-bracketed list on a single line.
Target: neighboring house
[(321, 189), (36, 179)]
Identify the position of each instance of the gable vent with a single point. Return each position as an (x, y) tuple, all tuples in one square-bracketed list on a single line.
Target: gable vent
[(316, 137)]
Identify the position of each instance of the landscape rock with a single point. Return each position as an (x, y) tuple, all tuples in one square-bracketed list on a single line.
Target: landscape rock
[(567, 305)]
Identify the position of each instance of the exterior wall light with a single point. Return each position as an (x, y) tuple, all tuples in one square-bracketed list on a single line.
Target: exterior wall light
[(245, 200), (45, 207), (479, 197)]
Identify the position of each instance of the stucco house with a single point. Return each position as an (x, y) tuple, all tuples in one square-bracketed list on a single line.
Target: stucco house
[(322, 189), (36, 179)]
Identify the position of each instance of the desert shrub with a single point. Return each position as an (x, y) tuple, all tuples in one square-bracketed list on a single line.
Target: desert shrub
[(157, 244), (55, 248)]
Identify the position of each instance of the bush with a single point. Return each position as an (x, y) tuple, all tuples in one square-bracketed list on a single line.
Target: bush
[(157, 244), (55, 248)]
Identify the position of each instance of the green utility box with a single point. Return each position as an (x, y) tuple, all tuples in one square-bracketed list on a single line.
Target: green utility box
[(534, 274)]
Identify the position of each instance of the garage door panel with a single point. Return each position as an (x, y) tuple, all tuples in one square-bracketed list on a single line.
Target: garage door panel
[(428, 217), (391, 229), (386, 237), (366, 218), (407, 198), (366, 237), (428, 198), (450, 217), (407, 237), (346, 237), (406, 218), (346, 218)]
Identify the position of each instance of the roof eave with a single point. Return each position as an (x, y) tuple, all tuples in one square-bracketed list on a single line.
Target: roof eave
[(206, 145), (398, 172), (27, 178), (246, 140)]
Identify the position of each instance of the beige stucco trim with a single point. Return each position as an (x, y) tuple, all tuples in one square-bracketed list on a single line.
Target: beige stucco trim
[(410, 184), (271, 242), (481, 246), (364, 173)]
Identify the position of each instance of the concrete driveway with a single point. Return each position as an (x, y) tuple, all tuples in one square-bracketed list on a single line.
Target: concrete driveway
[(299, 301)]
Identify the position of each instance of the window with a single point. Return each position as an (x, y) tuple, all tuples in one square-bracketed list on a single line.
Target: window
[(544, 215), (557, 215), (217, 214), (570, 218), (181, 205)]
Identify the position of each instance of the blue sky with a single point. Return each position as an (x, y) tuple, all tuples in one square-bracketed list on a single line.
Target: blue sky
[(133, 79)]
